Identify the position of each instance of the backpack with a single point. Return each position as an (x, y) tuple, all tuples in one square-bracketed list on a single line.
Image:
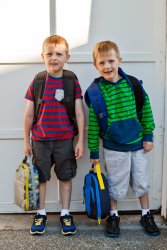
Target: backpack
[(94, 96), (96, 194), (26, 185), (69, 79)]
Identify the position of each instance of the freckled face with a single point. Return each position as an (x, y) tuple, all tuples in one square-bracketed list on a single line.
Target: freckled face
[(107, 64), (54, 57)]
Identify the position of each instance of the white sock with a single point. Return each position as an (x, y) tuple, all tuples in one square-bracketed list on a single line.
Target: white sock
[(112, 212), (145, 211), (41, 212), (65, 212)]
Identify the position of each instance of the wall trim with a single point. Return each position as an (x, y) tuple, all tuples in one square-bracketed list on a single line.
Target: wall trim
[(77, 206), (86, 57)]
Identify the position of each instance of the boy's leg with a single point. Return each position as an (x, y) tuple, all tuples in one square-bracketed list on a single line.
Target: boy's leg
[(68, 227), (118, 173), (42, 195), (144, 202), (41, 159), (38, 226), (113, 204), (65, 169), (112, 227), (147, 219), (140, 184), (65, 193), (139, 179)]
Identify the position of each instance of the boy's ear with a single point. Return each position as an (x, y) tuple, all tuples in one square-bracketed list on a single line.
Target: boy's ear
[(67, 57), (42, 56), (120, 60), (94, 64)]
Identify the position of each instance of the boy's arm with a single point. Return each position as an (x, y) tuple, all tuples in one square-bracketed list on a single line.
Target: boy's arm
[(28, 121), (80, 117), (93, 136), (147, 121), (148, 146)]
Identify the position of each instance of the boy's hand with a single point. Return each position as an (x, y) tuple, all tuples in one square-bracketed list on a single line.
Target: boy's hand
[(79, 150), (94, 161), (148, 146), (27, 148)]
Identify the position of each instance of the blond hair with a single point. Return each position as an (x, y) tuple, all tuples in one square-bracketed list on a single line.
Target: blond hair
[(104, 47), (55, 39)]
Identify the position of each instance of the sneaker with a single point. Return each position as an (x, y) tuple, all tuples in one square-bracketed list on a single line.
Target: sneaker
[(147, 221), (38, 226), (68, 227), (112, 227)]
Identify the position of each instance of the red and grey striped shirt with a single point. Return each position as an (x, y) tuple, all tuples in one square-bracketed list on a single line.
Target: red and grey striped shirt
[(52, 121)]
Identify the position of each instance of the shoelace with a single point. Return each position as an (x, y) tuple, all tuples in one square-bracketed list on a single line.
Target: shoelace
[(38, 221), (67, 222), (150, 220), (113, 220)]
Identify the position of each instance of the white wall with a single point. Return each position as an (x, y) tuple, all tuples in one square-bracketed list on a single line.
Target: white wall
[(137, 26)]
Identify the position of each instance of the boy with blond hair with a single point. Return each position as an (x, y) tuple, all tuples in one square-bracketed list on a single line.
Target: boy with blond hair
[(127, 139), (53, 132)]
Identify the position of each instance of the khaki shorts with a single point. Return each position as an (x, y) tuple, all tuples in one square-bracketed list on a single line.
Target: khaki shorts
[(58, 153), (124, 168)]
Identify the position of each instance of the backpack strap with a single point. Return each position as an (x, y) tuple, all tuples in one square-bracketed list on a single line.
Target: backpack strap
[(97, 198), (93, 95), (69, 87), (138, 91), (92, 194), (99, 176), (139, 94), (69, 79), (39, 85), (88, 192)]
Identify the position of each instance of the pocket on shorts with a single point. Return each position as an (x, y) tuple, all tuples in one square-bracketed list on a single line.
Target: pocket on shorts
[(125, 131)]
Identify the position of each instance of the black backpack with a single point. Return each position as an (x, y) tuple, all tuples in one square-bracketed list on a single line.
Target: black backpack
[(69, 79)]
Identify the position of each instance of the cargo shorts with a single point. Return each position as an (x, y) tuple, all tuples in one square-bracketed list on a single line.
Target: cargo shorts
[(59, 154), (124, 169)]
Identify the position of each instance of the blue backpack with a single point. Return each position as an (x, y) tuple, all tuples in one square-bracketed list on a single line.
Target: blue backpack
[(94, 96), (96, 194)]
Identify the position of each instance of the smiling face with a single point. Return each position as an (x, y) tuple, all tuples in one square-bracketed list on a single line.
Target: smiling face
[(54, 57), (107, 63)]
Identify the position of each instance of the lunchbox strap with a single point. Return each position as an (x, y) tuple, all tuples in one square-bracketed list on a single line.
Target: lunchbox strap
[(32, 179)]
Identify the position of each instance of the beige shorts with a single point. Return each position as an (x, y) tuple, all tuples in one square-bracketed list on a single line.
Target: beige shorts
[(124, 169)]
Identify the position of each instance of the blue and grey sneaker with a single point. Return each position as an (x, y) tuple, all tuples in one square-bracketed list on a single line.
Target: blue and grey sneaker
[(38, 226), (68, 227)]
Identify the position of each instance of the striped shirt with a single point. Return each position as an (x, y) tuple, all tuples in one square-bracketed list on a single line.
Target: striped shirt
[(52, 121), (121, 109)]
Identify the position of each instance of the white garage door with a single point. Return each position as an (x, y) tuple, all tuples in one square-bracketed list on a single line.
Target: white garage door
[(137, 26)]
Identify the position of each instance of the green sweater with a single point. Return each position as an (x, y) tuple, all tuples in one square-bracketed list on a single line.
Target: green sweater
[(125, 132)]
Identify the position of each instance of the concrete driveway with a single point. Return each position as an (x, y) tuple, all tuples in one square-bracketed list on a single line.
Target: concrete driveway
[(14, 234)]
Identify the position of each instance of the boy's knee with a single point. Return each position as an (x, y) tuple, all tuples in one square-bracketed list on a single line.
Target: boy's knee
[(141, 191), (64, 178), (67, 173), (117, 194)]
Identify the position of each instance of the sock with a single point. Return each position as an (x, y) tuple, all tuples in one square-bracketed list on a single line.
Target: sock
[(41, 212), (112, 212), (145, 211), (64, 212)]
